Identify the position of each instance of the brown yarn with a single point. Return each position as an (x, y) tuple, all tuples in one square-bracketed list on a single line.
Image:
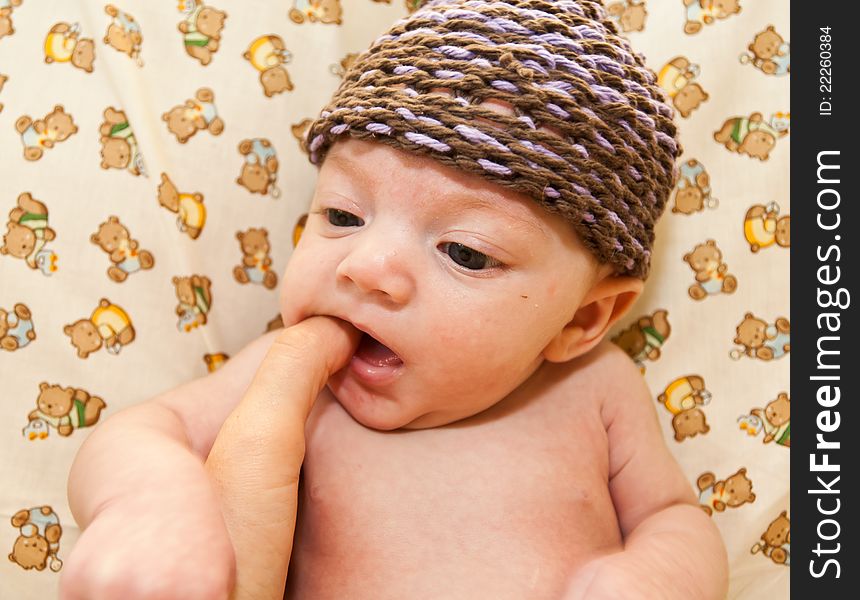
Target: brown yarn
[(560, 64)]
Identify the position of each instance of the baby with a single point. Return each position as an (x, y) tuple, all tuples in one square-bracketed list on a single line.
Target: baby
[(490, 176)]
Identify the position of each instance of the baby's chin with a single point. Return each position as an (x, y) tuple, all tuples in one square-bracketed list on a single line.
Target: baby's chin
[(381, 411)]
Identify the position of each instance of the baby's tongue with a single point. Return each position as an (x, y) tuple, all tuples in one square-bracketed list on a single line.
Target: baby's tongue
[(375, 353)]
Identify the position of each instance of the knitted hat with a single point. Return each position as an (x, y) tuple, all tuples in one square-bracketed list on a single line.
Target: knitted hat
[(561, 64)]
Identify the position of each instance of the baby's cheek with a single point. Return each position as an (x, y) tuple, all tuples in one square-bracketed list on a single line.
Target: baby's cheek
[(289, 301), (303, 291)]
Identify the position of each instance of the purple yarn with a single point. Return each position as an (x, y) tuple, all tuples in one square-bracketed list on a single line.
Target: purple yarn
[(615, 218), (445, 74), (533, 64), (506, 86), (455, 52), (587, 193), (378, 128), (561, 86), (425, 140), (430, 120), (558, 111), (603, 142), (494, 167), (477, 136), (459, 13), (315, 143), (508, 25), (607, 64), (527, 120), (405, 113), (666, 140), (556, 39), (607, 94)]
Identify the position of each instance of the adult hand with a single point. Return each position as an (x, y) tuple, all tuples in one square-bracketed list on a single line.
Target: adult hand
[(256, 458)]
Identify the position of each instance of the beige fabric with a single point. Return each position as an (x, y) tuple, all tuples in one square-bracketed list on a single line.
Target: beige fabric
[(80, 195)]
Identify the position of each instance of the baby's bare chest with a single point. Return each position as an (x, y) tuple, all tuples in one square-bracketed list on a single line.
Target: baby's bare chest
[(501, 507)]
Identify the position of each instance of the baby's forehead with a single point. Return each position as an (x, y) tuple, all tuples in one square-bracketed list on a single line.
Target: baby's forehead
[(431, 187)]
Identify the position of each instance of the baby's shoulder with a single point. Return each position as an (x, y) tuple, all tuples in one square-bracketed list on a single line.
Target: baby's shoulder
[(586, 387), (604, 371)]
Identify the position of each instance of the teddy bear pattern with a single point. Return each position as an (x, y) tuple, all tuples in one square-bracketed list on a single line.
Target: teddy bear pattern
[(64, 44), (683, 398), (123, 33), (256, 264), (16, 327), (66, 409), (119, 147), (201, 29), (6, 8), (769, 52), (210, 203), (299, 228), (268, 54), (189, 208), (342, 66), (41, 134), (705, 12), (27, 232), (693, 190), (38, 541), (108, 325), (711, 272), (718, 495), (776, 420), (751, 135), (677, 77), (124, 252), (215, 361), (763, 227), (324, 11), (3, 80), (775, 542), (643, 339), (259, 173), (627, 15), (195, 300), (197, 114), (762, 340)]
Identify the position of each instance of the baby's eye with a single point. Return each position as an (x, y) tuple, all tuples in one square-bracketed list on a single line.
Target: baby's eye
[(471, 259), (340, 218)]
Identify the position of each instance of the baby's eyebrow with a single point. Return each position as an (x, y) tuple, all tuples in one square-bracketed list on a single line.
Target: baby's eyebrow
[(455, 204), (460, 203), (344, 163)]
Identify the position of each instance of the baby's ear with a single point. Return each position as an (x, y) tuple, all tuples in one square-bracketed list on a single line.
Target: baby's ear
[(608, 300)]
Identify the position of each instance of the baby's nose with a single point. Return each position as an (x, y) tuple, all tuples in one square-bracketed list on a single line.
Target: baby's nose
[(376, 267)]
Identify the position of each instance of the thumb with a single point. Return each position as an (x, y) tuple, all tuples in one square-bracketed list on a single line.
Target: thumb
[(256, 459)]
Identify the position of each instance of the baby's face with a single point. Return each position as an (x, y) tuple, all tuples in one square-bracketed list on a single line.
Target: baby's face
[(467, 295)]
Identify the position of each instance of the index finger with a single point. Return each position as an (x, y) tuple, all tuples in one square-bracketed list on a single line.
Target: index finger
[(256, 459), (293, 372)]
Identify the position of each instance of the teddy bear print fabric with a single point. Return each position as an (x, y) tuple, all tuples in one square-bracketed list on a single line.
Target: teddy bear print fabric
[(155, 183)]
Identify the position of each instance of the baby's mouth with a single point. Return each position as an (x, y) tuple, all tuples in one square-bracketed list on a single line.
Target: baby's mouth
[(374, 352)]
